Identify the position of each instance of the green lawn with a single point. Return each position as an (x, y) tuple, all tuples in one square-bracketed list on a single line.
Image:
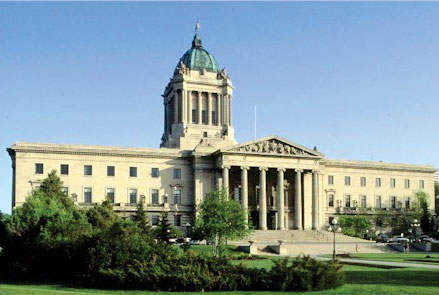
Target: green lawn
[(360, 280)]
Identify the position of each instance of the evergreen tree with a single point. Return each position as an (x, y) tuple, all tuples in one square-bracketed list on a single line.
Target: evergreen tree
[(142, 218)]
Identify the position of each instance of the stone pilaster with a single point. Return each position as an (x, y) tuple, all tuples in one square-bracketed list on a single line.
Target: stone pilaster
[(226, 178), (280, 199), (315, 194), (298, 200), (244, 187), (263, 198)]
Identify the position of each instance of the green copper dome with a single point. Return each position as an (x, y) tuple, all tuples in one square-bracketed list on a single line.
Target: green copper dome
[(198, 58)]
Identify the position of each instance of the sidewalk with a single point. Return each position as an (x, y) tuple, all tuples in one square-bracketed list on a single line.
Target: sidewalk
[(388, 263)]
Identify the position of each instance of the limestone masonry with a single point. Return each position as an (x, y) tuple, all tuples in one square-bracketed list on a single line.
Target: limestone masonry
[(282, 184)]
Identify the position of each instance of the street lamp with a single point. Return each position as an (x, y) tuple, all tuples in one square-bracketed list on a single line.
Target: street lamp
[(334, 227), (415, 224)]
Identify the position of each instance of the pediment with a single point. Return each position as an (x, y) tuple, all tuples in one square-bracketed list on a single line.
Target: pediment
[(273, 145)]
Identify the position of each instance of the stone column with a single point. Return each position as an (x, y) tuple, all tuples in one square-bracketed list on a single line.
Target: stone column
[(189, 100), (307, 200), (226, 178), (166, 117), (230, 110), (280, 199), (175, 107), (315, 194), (199, 107), (263, 198), (218, 110), (298, 200), (183, 106), (244, 187), (209, 108)]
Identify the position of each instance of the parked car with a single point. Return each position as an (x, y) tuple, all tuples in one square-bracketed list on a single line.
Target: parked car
[(399, 239), (425, 239), (382, 238)]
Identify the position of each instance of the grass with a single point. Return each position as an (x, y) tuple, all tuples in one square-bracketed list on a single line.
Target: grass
[(359, 280)]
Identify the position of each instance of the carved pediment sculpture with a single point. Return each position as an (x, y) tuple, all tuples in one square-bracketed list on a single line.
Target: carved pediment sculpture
[(272, 147)]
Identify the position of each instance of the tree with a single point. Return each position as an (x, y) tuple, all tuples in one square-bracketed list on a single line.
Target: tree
[(436, 197), (421, 210), (142, 218), (164, 230), (102, 216), (355, 226), (220, 218)]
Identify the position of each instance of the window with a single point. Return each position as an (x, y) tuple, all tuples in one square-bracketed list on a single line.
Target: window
[(39, 168), (378, 182), (421, 184), (393, 202), (133, 196), (88, 170), (65, 190), (204, 133), (377, 201), (64, 169), (177, 220), (203, 117), (392, 182), (407, 183), (330, 179), (330, 200), (155, 172), (347, 180), (194, 116), (407, 203), (363, 181), (363, 201), (133, 171), (177, 173), (347, 201), (110, 171), (213, 117), (155, 196), (110, 194), (87, 195), (176, 196), (155, 220)]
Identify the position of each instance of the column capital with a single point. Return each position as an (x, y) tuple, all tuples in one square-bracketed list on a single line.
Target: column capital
[(298, 170), (315, 171), (263, 168), (225, 167), (245, 168), (281, 169)]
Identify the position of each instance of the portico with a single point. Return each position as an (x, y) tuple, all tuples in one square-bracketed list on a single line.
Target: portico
[(276, 180)]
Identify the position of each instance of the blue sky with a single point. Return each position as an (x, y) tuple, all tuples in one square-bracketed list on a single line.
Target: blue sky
[(358, 80)]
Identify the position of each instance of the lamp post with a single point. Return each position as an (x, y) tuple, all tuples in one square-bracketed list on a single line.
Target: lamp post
[(334, 227), (415, 224)]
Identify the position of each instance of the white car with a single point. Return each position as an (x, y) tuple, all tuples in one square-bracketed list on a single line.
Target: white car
[(399, 239)]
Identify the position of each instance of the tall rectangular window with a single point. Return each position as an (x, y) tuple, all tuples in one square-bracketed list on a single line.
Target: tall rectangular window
[(177, 196), (88, 170), (393, 202), (110, 194), (133, 171), (203, 117), (347, 202), (347, 180), (194, 116), (214, 117), (378, 182), (177, 173), (154, 220), (407, 183), (392, 182), (331, 179), (363, 181), (407, 203), (65, 190), (421, 184), (155, 172), (330, 200), (177, 220), (64, 169), (363, 201), (87, 195), (133, 196), (110, 171), (377, 201), (155, 196), (39, 168)]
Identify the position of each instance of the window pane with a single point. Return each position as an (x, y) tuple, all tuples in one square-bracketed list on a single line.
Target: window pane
[(155, 196), (155, 172), (39, 168), (133, 196), (110, 171), (177, 220), (155, 220), (133, 171), (110, 194), (363, 181), (347, 180), (348, 201), (88, 170), (87, 195), (330, 200), (203, 117), (64, 169), (177, 196), (330, 179), (65, 190), (177, 173)]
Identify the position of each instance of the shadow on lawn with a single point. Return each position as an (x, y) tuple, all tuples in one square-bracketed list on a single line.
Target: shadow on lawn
[(402, 277)]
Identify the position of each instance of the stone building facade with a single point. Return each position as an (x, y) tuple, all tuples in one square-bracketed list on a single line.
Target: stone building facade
[(282, 184)]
